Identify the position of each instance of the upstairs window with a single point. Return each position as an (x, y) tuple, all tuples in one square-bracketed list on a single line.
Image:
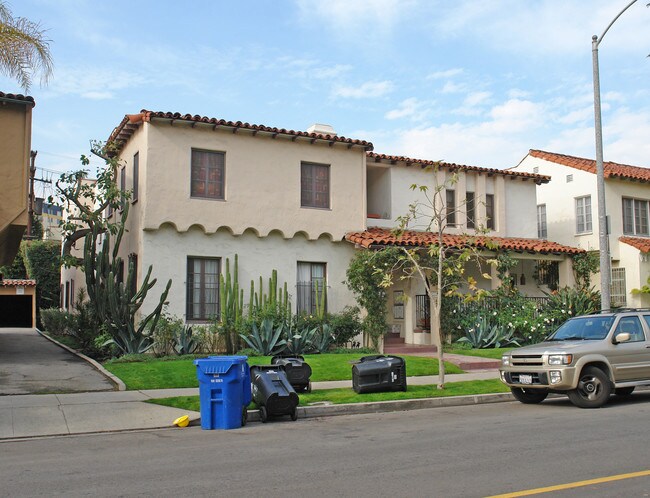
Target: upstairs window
[(583, 214), (315, 185), (451, 207), (136, 175), (208, 174), (489, 211), (635, 217), (542, 232), (470, 209)]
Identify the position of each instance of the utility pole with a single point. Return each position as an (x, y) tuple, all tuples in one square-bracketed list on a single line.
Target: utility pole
[(30, 207)]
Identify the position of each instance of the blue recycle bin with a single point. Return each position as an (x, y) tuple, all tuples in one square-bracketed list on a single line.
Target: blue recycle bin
[(224, 391)]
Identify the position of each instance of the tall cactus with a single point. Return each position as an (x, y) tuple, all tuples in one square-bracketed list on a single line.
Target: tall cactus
[(231, 300), (274, 301), (116, 303)]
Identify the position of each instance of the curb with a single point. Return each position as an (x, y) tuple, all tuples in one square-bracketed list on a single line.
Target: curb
[(115, 380), (393, 406)]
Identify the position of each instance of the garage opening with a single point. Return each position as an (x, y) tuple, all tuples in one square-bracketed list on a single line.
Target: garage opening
[(16, 311)]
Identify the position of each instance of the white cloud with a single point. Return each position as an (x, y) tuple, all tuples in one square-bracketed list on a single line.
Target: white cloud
[(451, 87), (438, 75), (370, 89), (476, 98), (410, 108), (92, 83)]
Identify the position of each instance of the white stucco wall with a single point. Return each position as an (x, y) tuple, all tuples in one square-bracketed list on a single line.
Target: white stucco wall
[(167, 250), (262, 183)]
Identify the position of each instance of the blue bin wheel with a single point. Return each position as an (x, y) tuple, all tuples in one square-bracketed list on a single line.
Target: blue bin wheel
[(294, 414), (244, 416), (264, 416)]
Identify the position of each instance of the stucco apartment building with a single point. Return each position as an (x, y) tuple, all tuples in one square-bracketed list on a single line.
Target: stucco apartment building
[(567, 212), (206, 189)]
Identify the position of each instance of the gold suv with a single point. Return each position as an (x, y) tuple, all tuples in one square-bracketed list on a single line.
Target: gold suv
[(587, 358)]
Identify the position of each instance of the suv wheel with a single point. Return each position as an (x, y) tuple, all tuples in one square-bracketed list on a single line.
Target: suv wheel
[(593, 389), (529, 396)]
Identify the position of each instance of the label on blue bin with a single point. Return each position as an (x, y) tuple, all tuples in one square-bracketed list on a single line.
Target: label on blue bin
[(216, 379)]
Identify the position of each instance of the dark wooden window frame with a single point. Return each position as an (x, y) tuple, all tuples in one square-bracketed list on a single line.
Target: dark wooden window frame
[(208, 180), (315, 181), (202, 316)]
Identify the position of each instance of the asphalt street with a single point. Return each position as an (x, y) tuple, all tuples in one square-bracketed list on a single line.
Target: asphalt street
[(444, 452)]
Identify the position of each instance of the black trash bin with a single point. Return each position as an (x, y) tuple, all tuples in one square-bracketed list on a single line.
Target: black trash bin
[(272, 392), (297, 369), (379, 373)]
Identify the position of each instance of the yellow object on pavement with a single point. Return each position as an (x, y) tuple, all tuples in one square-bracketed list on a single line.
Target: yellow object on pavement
[(182, 421)]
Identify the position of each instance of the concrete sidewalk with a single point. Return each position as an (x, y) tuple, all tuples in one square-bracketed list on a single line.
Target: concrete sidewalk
[(25, 416)]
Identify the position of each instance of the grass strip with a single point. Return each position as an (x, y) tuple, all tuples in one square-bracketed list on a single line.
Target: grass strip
[(347, 395), (494, 353), (181, 373)]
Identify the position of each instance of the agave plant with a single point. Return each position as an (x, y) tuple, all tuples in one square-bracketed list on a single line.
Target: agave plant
[(266, 339), (323, 339), (301, 342), (129, 343), (486, 335), (185, 343)]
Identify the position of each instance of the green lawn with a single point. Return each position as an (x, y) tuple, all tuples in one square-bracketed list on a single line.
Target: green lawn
[(347, 395), (166, 374)]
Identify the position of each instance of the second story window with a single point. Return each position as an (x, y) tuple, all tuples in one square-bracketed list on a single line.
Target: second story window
[(208, 171), (315, 185), (583, 214), (489, 211), (635, 217), (470, 209), (542, 232), (136, 175), (451, 207), (122, 187)]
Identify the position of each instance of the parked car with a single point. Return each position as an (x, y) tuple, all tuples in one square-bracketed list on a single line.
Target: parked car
[(588, 358)]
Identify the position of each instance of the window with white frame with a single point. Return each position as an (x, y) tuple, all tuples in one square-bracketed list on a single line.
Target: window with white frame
[(583, 214), (542, 232), (617, 289), (398, 305), (635, 217)]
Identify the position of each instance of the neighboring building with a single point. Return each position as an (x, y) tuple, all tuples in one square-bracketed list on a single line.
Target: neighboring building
[(16, 133), (51, 218), (17, 303), (567, 213), (205, 190)]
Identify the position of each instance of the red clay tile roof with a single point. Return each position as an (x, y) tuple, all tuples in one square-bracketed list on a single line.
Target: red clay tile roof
[(611, 169), (13, 282), (641, 243), (411, 238), (132, 121), (17, 96), (539, 179)]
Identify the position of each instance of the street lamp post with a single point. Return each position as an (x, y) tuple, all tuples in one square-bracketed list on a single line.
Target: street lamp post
[(603, 239)]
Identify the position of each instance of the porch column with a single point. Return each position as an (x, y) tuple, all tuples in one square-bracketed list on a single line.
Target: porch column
[(409, 311), (565, 270)]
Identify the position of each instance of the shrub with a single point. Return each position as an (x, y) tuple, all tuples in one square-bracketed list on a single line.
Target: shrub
[(185, 343), (300, 342), (209, 338), (485, 334), (345, 325), (56, 321)]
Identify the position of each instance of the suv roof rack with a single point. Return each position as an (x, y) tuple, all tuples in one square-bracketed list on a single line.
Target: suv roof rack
[(621, 310)]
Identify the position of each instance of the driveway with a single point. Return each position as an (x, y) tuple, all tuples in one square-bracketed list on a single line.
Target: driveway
[(31, 364)]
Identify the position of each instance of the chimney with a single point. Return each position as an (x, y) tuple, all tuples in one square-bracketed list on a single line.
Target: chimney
[(321, 129)]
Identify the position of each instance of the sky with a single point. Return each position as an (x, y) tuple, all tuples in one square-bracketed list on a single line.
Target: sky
[(474, 82)]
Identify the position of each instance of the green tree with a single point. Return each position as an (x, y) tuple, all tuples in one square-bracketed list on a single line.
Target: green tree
[(43, 264), (441, 265), (24, 50)]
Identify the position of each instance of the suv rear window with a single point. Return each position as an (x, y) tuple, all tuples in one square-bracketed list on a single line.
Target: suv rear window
[(583, 328)]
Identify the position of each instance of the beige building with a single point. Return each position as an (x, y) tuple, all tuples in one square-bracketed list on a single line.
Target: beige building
[(567, 210), (16, 133), (206, 189)]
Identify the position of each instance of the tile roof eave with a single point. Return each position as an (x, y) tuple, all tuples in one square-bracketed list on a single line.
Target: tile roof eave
[(17, 98), (131, 122), (408, 161), (14, 282), (373, 237)]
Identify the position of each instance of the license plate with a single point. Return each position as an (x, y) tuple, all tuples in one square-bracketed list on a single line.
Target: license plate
[(525, 379)]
